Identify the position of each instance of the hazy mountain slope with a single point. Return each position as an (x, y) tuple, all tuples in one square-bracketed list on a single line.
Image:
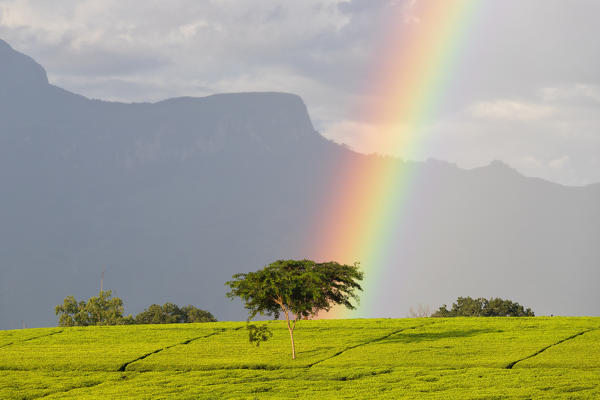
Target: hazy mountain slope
[(172, 198), (491, 232)]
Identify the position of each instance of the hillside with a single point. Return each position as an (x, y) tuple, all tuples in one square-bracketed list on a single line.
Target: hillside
[(461, 358), (172, 198)]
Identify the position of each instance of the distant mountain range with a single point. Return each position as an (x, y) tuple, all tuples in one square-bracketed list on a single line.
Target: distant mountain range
[(172, 198)]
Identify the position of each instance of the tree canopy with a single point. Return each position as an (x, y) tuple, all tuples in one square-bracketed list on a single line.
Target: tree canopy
[(99, 310), (480, 307), (296, 288), (107, 310), (170, 313)]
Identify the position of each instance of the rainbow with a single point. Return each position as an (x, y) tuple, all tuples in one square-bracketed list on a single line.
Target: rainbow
[(365, 206)]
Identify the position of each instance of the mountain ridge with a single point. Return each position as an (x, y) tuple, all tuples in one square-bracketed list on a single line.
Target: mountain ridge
[(27, 63), (173, 197)]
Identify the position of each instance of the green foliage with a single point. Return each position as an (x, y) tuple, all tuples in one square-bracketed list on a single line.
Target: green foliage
[(480, 307), (99, 310), (170, 313), (258, 334), (298, 288), (104, 310), (194, 314), (301, 287), (72, 313), (455, 358)]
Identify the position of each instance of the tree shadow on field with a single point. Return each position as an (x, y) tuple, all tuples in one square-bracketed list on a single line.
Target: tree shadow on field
[(404, 337)]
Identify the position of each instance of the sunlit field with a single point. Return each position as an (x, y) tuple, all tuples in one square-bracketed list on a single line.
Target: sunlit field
[(430, 358)]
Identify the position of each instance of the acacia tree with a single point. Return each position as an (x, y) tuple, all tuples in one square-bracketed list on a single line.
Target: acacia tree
[(296, 288)]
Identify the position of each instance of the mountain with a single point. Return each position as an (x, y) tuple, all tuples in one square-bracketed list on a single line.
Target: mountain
[(172, 198)]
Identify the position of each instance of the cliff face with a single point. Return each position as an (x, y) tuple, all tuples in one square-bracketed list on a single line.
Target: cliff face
[(174, 197), (170, 198), (19, 72)]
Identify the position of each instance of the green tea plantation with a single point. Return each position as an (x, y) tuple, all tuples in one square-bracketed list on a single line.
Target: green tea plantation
[(428, 358)]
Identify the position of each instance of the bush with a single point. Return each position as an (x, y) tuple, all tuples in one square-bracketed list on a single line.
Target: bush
[(170, 313), (99, 310), (480, 307), (104, 310)]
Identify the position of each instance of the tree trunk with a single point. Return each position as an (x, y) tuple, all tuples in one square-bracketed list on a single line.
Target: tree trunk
[(292, 339), (290, 330), (289, 326)]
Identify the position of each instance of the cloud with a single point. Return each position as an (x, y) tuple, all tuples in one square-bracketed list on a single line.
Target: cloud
[(529, 162), (577, 92), (559, 163), (206, 44), (384, 139), (510, 110), (537, 137)]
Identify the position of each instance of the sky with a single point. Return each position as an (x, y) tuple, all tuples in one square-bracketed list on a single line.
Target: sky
[(524, 87)]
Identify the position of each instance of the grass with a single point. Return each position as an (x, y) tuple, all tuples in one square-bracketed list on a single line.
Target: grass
[(455, 358)]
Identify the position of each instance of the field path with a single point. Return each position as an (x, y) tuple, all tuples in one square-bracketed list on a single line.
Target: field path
[(512, 364), (123, 367), (31, 338), (69, 390), (378, 339)]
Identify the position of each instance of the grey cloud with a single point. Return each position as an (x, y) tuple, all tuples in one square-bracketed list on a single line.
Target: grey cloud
[(98, 62)]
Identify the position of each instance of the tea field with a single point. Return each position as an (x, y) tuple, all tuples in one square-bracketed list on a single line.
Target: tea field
[(430, 358)]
